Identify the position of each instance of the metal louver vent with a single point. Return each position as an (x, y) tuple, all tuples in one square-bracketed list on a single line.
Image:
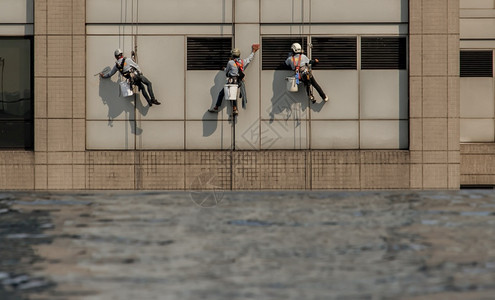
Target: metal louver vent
[(383, 53), (335, 53), (210, 53), (275, 51), (476, 63)]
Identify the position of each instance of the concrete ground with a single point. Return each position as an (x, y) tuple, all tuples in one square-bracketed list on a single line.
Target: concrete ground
[(247, 245)]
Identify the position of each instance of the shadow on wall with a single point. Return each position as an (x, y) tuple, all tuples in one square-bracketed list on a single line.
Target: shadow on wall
[(287, 105), (109, 92), (210, 120)]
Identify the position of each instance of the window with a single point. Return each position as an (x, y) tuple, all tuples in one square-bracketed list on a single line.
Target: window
[(476, 63), (275, 51), (16, 93), (210, 53), (335, 53), (381, 53)]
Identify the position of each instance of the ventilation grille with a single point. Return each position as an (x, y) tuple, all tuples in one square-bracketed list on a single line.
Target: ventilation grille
[(208, 53), (275, 51), (476, 64), (335, 53), (383, 53)]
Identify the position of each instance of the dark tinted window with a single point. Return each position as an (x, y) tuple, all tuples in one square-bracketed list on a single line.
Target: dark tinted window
[(335, 53), (383, 53), (16, 93), (476, 64), (275, 51), (210, 53)]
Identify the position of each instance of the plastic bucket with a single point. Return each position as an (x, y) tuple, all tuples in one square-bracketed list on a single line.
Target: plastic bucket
[(230, 91), (291, 84)]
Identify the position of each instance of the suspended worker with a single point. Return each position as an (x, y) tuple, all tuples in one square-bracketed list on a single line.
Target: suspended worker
[(301, 64), (131, 72), (235, 75)]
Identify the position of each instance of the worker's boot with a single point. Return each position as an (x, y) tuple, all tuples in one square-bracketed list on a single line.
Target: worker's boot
[(234, 111), (154, 101)]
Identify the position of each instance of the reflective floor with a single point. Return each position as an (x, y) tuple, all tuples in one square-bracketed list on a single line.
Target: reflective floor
[(247, 245)]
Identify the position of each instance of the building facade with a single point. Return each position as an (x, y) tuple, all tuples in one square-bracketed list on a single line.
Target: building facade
[(410, 85)]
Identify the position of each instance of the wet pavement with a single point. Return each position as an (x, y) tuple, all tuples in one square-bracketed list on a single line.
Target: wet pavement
[(247, 245)]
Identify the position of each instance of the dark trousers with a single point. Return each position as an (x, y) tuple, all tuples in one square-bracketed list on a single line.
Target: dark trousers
[(221, 95), (140, 83), (311, 81)]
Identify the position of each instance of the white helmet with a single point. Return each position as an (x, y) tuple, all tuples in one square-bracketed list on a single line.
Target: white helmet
[(235, 52), (296, 48), (117, 53)]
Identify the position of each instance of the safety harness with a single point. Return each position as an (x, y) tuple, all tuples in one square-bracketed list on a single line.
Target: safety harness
[(121, 68), (240, 65), (298, 66)]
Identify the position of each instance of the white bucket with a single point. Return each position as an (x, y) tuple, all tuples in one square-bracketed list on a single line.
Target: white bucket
[(291, 84), (230, 91)]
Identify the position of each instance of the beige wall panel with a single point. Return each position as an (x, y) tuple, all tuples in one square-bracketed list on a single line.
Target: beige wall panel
[(79, 177), (79, 134), (454, 102), (160, 135), (339, 176), (40, 93), (59, 56), (282, 11), (79, 98), (185, 11), (110, 177), (283, 176), (477, 28), (477, 4), (60, 177), (40, 58), (435, 97), (335, 135), (434, 134), (416, 97), (435, 16), (359, 10), (40, 177), (59, 158), (435, 55), (453, 133), (435, 176), (16, 157), (116, 135), (477, 130), (454, 179), (161, 29), (78, 53), (385, 176), (384, 134), (246, 170), (415, 55), (342, 88), (277, 102), (415, 16), (478, 164), (384, 94), (17, 11), (477, 97), (40, 134), (248, 133), (161, 59), (16, 177), (110, 11), (164, 177), (40, 15), (385, 157), (290, 134), (247, 11), (60, 97), (59, 17), (60, 135), (208, 134)]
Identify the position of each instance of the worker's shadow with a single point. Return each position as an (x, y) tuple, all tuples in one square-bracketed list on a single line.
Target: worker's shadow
[(109, 92), (289, 105), (210, 120)]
